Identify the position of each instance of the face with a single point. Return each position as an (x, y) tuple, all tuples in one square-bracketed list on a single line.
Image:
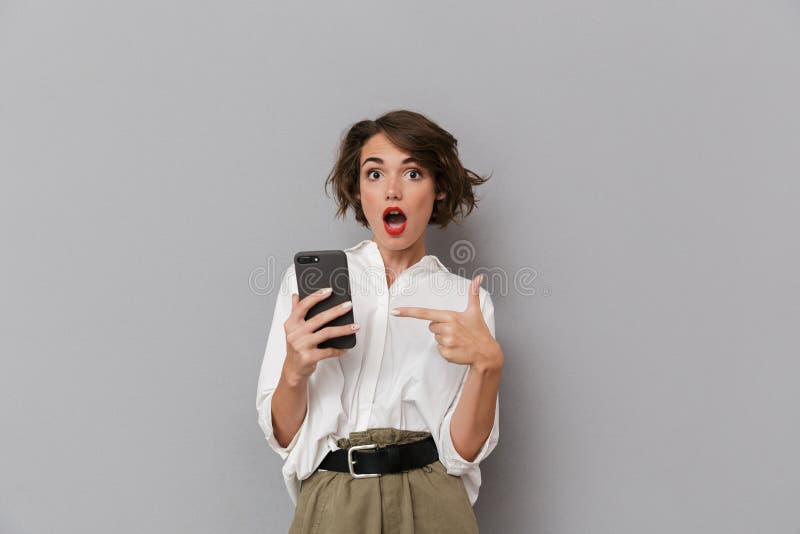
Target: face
[(391, 178)]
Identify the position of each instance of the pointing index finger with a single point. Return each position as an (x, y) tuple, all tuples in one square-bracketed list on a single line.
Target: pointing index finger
[(428, 314)]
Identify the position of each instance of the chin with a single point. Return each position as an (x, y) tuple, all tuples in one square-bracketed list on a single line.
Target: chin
[(400, 242)]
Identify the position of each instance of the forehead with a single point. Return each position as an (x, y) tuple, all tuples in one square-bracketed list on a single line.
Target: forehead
[(379, 146)]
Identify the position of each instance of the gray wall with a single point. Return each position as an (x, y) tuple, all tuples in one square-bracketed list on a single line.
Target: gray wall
[(159, 159)]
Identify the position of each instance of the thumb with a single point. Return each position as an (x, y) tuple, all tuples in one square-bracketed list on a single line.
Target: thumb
[(475, 293)]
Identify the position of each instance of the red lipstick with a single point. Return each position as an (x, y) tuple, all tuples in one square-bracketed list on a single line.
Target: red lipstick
[(394, 220)]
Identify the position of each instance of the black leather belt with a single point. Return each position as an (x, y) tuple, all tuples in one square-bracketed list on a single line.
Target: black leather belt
[(363, 461)]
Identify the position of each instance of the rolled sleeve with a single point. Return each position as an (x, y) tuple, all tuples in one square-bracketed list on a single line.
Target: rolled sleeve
[(272, 364), (452, 460), (265, 421)]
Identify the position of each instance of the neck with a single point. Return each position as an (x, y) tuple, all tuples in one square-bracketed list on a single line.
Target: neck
[(398, 260)]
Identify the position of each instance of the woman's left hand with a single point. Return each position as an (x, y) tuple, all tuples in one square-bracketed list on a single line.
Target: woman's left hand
[(462, 337)]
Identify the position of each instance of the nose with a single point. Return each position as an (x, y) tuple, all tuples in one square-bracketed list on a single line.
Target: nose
[(393, 189)]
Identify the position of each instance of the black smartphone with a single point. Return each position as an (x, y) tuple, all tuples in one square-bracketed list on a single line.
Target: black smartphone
[(316, 269)]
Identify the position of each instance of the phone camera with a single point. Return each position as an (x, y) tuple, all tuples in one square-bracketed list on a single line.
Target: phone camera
[(307, 259)]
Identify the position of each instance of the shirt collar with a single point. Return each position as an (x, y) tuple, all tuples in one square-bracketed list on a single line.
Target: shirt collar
[(368, 246)]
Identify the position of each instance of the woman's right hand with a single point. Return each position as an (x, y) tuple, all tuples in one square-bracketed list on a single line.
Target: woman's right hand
[(302, 354)]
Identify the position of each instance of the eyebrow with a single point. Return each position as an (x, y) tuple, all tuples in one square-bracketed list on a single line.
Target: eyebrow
[(379, 161)]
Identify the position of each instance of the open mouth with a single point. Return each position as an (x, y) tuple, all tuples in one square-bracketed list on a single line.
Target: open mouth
[(394, 220)]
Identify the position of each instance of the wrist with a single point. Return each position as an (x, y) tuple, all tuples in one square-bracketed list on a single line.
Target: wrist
[(489, 360), (293, 379)]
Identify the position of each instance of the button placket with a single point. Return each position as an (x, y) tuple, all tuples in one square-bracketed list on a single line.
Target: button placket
[(374, 355)]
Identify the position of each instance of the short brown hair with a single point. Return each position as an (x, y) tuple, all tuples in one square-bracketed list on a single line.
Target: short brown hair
[(434, 147)]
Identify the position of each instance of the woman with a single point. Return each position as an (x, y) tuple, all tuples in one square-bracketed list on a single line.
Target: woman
[(418, 394)]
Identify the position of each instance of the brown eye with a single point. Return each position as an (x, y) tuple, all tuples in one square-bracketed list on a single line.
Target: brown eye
[(369, 174)]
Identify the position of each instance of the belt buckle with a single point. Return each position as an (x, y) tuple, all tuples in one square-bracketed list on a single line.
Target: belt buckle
[(350, 461)]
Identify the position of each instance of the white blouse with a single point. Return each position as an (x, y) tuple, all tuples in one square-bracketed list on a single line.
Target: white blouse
[(393, 377)]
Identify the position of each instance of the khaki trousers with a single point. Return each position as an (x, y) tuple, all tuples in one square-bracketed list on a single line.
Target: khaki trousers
[(426, 500)]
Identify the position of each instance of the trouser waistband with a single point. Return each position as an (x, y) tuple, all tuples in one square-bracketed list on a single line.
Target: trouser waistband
[(381, 436)]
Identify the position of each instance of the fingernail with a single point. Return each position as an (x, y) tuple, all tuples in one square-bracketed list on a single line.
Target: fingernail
[(355, 326), (347, 304), (325, 291), (395, 311)]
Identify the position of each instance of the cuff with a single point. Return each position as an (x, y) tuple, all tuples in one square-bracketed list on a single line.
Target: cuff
[(266, 426), (453, 462)]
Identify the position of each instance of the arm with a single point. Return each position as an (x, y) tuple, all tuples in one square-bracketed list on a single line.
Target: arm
[(291, 358), (289, 407), (473, 418), (470, 430), (271, 371)]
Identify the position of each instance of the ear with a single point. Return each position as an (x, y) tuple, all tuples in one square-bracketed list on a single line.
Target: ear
[(441, 195)]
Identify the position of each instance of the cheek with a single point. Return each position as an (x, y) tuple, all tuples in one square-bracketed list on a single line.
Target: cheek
[(370, 202), (423, 200)]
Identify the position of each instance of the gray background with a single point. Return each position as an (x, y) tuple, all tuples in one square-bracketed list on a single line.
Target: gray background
[(155, 156)]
